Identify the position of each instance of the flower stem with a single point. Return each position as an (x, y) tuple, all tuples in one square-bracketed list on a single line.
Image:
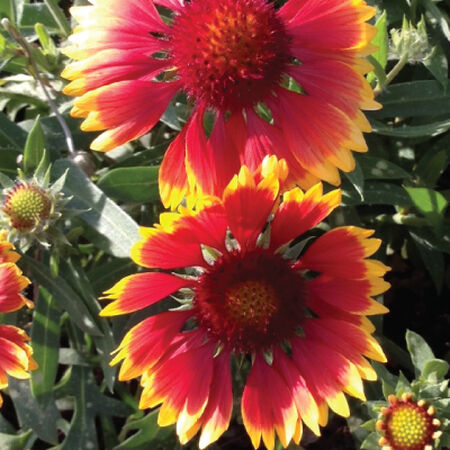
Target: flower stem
[(15, 34), (391, 75)]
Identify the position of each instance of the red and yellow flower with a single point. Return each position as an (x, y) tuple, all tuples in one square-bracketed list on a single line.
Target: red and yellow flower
[(288, 82), (251, 297), (16, 355)]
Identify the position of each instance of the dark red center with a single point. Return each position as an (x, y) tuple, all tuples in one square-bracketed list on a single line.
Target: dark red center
[(229, 53), (250, 302)]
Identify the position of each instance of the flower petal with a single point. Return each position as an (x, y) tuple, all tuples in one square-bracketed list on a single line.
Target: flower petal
[(352, 296), (109, 66), (175, 383), (266, 139), (11, 283), (310, 358), (300, 212), (217, 415), (180, 246), (127, 109), (6, 250), (210, 164), (173, 182), (16, 356), (349, 244), (343, 21), (248, 205), (304, 401), (146, 343), (138, 291), (268, 405)]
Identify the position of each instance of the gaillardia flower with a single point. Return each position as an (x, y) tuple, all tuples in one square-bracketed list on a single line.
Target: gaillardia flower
[(16, 356), (408, 425), (286, 81), (251, 297)]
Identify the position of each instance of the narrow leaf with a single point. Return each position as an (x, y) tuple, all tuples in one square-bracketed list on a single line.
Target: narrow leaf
[(131, 184), (115, 226), (34, 148)]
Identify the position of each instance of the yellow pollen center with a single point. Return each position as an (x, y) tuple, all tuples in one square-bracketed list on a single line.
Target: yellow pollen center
[(407, 426), (26, 206), (252, 303)]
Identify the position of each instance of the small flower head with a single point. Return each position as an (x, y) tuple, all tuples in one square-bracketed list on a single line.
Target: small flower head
[(410, 43), (294, 318), (30, 209), (407, 424), (27, 206)]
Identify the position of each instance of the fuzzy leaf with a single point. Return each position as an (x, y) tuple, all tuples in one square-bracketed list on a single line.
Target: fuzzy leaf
[(419, 350)]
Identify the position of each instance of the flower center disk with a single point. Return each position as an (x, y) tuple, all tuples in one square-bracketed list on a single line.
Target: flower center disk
[(409, 427), (26, 206), (250, 302), (229, 53)]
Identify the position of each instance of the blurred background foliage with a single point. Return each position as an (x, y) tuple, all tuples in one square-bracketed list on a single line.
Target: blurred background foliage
[(401, 188)]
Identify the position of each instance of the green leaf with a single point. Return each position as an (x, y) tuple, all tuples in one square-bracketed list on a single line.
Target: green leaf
[(381, 169), (11, 135), (430, 203), (432, 165), (118, 230), (16, 442), (440, 243), (73, 272), (432, 258), (34, 148), (419, 350), (388, 381), (5, 181), (380, 193), (403, 385), (414, 99), (89, 402), (37, 12), (149, 434), (170, 118), (438, 367), (45, 39), (42, 420), (381, 41), (63, 293), (8, 161), (396, 353), (371, 441), (105, 275), (439, 15), (131, 184), (45, 334), (356, 178), (411, 131), (437, 64)]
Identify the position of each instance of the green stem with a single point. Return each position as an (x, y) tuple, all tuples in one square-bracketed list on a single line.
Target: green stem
[(59, 16), (15, 34), (402, 219), (391, 75)]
